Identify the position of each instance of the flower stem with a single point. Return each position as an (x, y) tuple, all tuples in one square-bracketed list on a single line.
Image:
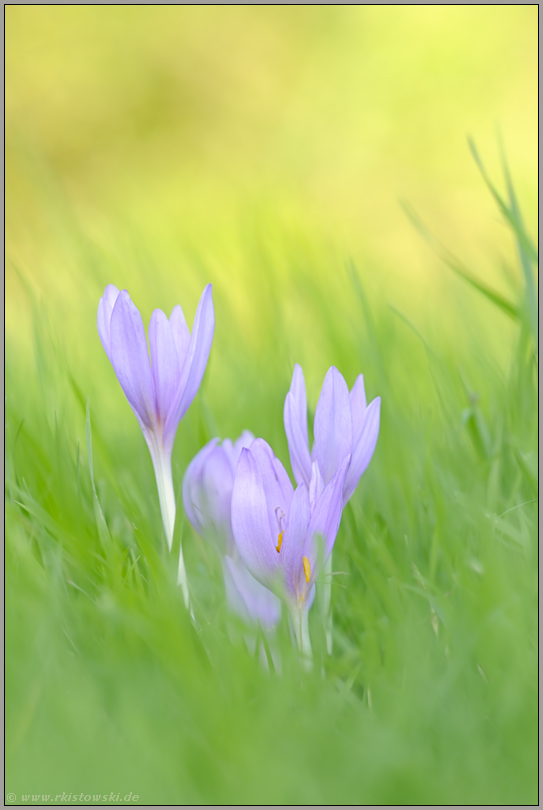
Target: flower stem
[(163, 473), (326, 605), (182, 581), (300, 620), (162, 464)]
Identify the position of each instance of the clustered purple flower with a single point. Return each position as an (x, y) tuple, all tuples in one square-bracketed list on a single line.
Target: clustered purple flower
[(273, 540)]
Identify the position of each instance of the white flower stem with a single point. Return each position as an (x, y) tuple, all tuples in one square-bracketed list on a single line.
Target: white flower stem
[(300, 620), (163, 472), (183, 582)]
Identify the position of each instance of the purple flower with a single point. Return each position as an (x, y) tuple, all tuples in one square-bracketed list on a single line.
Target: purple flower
[(247, 597), (207, 497), (285, 536), (344, 426), (207, 489), (161, 389)]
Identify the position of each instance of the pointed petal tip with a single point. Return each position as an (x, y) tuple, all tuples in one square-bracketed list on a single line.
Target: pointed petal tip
[(260, 444), (207, 293), (159, 313), (297, 372)]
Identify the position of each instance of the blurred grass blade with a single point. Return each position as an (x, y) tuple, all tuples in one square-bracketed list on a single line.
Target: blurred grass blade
[(527, 252), (103, 531), (456, 265), (510, 212)]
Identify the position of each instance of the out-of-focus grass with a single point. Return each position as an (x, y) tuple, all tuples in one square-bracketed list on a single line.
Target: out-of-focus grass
[(160, 150)]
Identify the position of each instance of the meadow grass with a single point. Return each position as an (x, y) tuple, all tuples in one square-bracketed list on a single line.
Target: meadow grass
[(430, 694)]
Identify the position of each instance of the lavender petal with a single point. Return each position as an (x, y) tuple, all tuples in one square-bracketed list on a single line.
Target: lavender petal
[(195, 360), (292, 547), (326, 518), (247, 597), (363, 448), (180, 332), (105, 308), (250, 522), (295, 419), (130, 359), (358, 405), (192, 487), (333, 425), (165, 364), (276, 483)]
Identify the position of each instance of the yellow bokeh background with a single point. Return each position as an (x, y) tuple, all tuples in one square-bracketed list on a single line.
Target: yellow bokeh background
[(189, 124)]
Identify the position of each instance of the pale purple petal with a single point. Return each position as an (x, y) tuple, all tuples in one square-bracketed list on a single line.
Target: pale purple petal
[(130, 359), (325, 520), (192, 487), (333, 425), (292, 547), (233, 449), (277, 487), (295, 420), (247, 597), (195, 360), (217, 483), (180, 332), (105, 308), (316, 485), (358, 405), (363, 448), (245, 440), (300, 459), (250, 522), (165, 365), (228, 447), (297, 389)]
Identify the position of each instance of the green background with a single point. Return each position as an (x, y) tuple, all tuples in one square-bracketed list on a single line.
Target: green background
[(273, 151)]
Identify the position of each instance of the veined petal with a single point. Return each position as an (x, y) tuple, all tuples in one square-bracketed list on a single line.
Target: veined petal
[(247, 597), (130, 359), (195, 359), (105, 308), (192, 487), (316, 485), (180, 332), (245, 440), (333, 425), (325, 520), (277, 487), (292, 547), (295, 419), (250, 522), (217, 482), (298, 448), (358, 405), (165, 365), (363, 448)]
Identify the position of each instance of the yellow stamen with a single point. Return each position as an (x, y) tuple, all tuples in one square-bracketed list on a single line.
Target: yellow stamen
[(279, 542), (307, 569)]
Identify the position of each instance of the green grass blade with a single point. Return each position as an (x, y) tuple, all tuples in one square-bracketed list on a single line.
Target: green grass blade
[(458, 267)]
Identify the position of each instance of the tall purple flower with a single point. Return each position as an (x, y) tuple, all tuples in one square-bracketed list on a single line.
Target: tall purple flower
[(207, 497), (161, 389), (285, 536), (344, 425)]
